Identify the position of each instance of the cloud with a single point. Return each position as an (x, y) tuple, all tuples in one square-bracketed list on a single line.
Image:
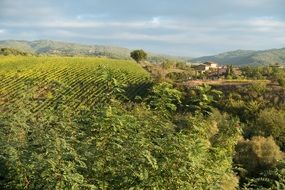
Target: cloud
[(152, 23), (255, 3), (182, 37), (28, 10), (268, 22), (179, 27), (91, 16)]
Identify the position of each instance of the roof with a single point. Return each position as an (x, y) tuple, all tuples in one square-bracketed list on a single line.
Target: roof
[(209, 63), (201, 67)]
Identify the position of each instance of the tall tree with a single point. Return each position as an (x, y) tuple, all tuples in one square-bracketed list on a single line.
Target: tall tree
[(138, 55)]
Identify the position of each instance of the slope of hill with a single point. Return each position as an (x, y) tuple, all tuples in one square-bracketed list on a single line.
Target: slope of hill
[(11, 51), (73, 49), (247, 57), (49, 47), (66, 81), (63, 48)]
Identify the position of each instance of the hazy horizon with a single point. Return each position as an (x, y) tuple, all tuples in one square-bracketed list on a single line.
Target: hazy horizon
[(182, 28)]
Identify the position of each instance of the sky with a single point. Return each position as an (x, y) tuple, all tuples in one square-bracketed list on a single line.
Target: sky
[(176, 27)]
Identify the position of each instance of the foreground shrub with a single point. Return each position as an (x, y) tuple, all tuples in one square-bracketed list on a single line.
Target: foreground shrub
[(257, 154), (111, 147), (271, 122)]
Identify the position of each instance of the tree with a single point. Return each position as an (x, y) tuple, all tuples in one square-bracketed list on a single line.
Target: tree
[(138, 55)]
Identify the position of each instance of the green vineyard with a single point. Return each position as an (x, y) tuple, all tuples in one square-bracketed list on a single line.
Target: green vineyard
[(73, 82)]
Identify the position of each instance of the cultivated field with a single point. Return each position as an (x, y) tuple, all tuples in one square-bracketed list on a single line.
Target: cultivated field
[(49, 82)]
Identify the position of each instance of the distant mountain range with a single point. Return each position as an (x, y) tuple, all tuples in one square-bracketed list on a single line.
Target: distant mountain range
[(49, 47), (63, 48), (238, 57), (247, 57)]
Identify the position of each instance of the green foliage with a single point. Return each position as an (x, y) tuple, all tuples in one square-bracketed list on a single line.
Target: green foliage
[(228, 131), (39, 152), (165, 99), (253, 72), (201, 99), (271, 122), (180, 76), (245, 102), (224, 139), (257, 154), (262, 116), (262, 161), (138, 55), (221, 133), (279, 76), (68, 123), (139, 150), (115, 88), (110, 147), (270, 179)]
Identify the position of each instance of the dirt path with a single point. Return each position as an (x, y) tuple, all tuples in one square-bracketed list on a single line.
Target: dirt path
[(223, 82)]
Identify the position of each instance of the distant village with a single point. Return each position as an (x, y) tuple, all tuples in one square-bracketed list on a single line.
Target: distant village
[(214, 71), (181, 72)]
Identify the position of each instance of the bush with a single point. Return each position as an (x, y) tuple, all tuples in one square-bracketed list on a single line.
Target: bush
[(165, 99), (271, 122), (201, 99), (257, 154), (175, 76)]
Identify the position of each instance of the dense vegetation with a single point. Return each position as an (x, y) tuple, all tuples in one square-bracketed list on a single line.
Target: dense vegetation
[(259, 156), (93, 123)]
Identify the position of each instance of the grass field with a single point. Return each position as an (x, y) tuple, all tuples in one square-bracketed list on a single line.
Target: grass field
[(49, 82)]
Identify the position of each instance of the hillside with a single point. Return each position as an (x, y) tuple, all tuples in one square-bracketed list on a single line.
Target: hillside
[(49, 47), (69, 81), (63, 48), (247, 57), (10, 51)]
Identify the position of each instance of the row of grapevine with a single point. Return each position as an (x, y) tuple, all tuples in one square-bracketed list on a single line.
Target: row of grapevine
[(72, 82)]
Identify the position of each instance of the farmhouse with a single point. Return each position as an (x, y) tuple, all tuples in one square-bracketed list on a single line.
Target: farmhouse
[(206, 66)]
